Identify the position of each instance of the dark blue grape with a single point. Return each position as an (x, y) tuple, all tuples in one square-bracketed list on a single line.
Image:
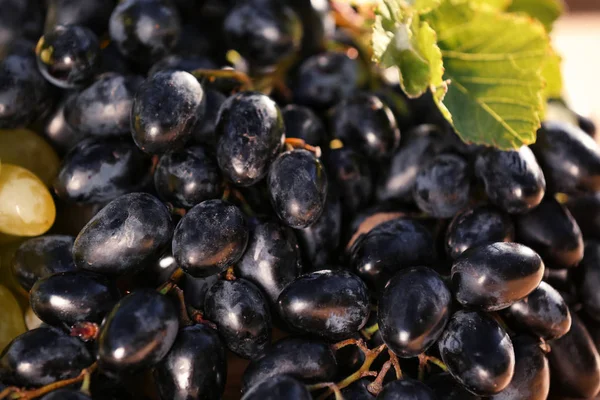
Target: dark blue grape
[(478, 352), (43, 356), (211, 237), (99, 170), (353, 178), (332, 304), (205, 132), (302, 123), (182, 63), (241, 313), (587, 125), (89, 13), (251, 133), (413, 311), (66, 394), (187, 177), (442, 186), (104, 107), (195, 367), (165, 111), (297, 185), (588, 279), (406, 389), (447, 388), (277, 388), (586, 211), (125, 235), (494, 276), (138, 332), (358, 390), (58, 132), (40, 257), (195, 289)]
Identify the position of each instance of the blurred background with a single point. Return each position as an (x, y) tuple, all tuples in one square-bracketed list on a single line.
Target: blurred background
[(577, 37)]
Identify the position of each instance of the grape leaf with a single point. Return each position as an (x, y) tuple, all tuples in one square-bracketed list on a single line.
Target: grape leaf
[(551, 72), (493, 61), (545, 11), (494, 4)]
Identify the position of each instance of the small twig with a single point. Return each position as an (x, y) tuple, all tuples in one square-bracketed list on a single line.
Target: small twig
[(87, 381), (424, 359), (85, 331), (198, 318), (396, 364), (173, 281), (229, 274), (185, 318), (213, 74), (377, 385), (369, 331), (330, 385), (297, 143)]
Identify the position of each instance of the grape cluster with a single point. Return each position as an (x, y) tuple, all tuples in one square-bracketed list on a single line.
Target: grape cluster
[(223, 199)]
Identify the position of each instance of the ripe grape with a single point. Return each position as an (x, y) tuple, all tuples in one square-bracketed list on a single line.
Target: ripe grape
[(588, 278), (66, 394), (278, 387), (90, 13), (351, 176), (406, 389), (586, 211), (302, 123)]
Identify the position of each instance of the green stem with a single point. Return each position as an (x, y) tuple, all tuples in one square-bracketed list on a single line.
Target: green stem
[(369, 331)]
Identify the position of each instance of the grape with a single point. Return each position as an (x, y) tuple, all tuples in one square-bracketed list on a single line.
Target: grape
[(70, 297), (195, 289), (90, 13), (391, 247), (297, 185), (42, 356), (543, 313), (513, 179), (68, 56), (531, 380), (98, 170), (446, 387), (157, 271), (478, 226), (264, 34), (587, 125), (478, 352), (494, 276), (272, 259), (569, 157), (332, 304), (363, 122), (575, 363), (588, 279), (26, 206), (305, 359), (58, 132), (104, 107), (442, 186), (358, 390), (195, 367), (352, 176), (66, 394), (138, 332), (251, 133), (242, 315), (550, 230), (413, 311), (406, 389), (26, 149), (182, 63), (128, 232), (12, 324), (165, 110), (326, 78), (302, 123), (205, 129), (209, 238), (144, 30), (586, 211), (278, 387)]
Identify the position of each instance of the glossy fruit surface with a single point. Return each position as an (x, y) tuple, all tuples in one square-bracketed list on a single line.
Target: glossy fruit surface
[(279, 387), (195, 289), (125, 234), (406, 389), (66, 394), (138, 332), (446, 387), (332, 304), (478, 352), (353, 178), (12, 323), (58, 132), (209, 238), (586, 211), (302, 123), (413, 311), (588, 277), (205, 129)]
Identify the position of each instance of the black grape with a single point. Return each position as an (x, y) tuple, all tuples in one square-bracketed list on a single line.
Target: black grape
[(156, 272), (145, 30), (588, 280), (478, 352), (66, 394), (70, 297), (413, 311), (297, 185), (531, 380), (58, 132), (187, 177), (302, 123), (325, 79), (104, 107), (364, 123), (42, 356), (100, 170), (195, 289), (332, 304), (138, 332), (358, 390), (442, 186), (305, 359), (195, 367), (124, 235), (406, 389), (90, 13), (447, 388), (277, 388), (272, 259), (494, 276), (390, 247), (353, 178), (68, 56), (186, 63), (241, 313), (575, 363), (165, 110), (478, 226), (513, 179), (586, 211), (211, 237), (264, 34), (205, 130), (40, 257), (550, 230), (587, 125), (542, 313), (251, 132)]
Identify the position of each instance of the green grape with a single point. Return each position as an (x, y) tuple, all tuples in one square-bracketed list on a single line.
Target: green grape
[(7, 276), (12, 323)]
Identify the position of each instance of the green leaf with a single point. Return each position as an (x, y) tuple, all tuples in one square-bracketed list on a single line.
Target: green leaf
[(551, 72), (493, 4), (423, 6), (545, 11), (493, 61)]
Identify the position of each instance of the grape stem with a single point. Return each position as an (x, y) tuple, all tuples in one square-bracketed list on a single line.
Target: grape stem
[(369, 331), (184, 316), (173, 280), (424, 359), (331, 386), (229, 274), (213, 74), (296, 143), (229, 191), (85, 331), (377, 385)]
